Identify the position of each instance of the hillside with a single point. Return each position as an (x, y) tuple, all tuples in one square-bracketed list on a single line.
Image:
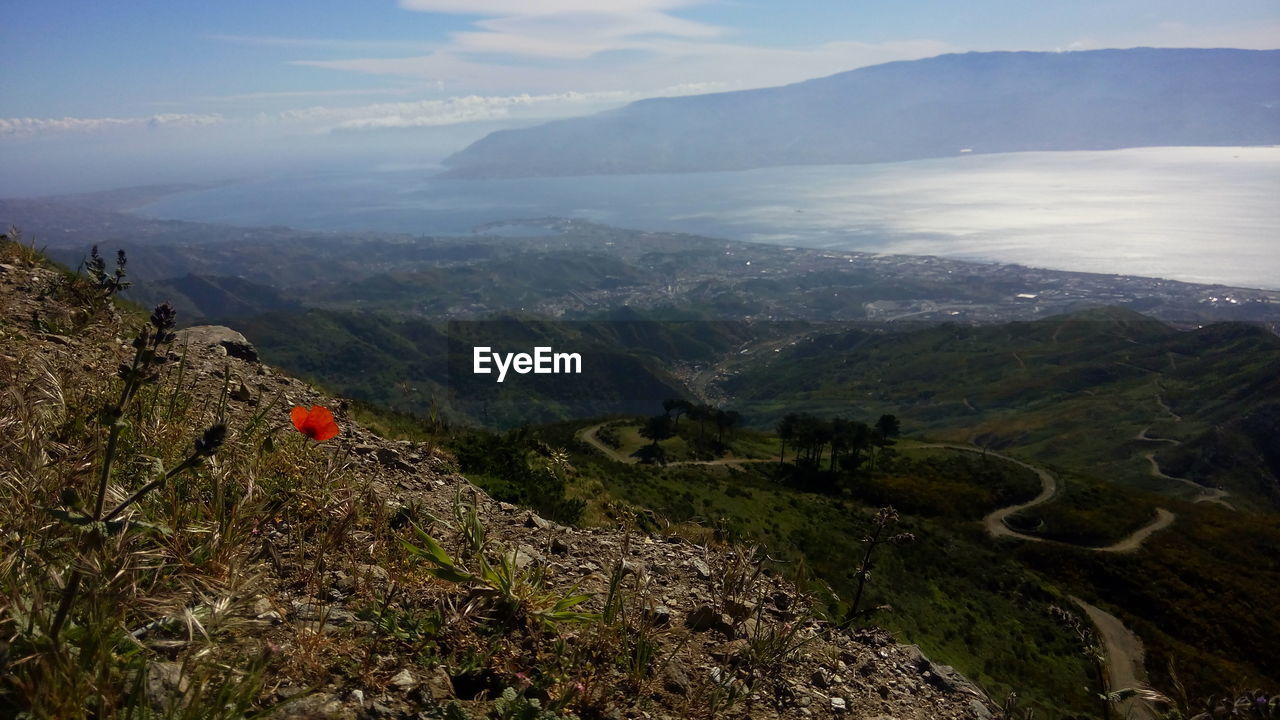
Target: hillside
[(1096, 391), (269, 575), (938, 107)]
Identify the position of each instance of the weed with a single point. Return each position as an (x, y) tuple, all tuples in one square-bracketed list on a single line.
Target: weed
[(884, 519), (502, 590)]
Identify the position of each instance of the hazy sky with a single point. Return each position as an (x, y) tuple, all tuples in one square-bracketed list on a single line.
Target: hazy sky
[(95, 93)]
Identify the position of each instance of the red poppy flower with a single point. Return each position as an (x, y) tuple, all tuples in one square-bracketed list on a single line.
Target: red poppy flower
[(316, 423)]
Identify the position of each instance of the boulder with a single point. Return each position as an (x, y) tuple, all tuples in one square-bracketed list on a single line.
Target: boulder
[(219, 336)]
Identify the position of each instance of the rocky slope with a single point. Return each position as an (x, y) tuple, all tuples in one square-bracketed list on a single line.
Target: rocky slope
[(316, 581)]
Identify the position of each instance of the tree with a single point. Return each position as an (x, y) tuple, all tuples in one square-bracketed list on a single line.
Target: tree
[(786, 432), (675, 407), (839, 440), (888, 426), (732, 419), (701, 413), (657, 429), (857, 441), (882, 436)]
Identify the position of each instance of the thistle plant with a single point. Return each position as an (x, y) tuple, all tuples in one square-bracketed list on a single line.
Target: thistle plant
[(110, 283), (883, 522), (150, 348)]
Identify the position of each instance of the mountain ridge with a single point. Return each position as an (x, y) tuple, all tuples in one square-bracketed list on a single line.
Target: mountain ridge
[(943, 106)]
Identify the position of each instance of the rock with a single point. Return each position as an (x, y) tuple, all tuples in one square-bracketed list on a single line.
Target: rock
[(373, 572), (738, 611), (404, 681), (701, 568), (242, 393), (389, 458), (980, 711), (357, 697), (526, 556), (706, 618), (343, 582), (727, 652), (164, 681), (559, 547), (820, 679), (322, 705), (660, 616), (331, 615), (57, 339), (535, 521), (438, 684), (838, 705), (675, 679), (219, 336)]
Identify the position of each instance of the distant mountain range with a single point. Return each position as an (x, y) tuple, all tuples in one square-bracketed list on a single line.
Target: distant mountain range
[(939, 107)]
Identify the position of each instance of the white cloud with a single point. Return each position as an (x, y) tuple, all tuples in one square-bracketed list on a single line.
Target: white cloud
[(321, 119), (662, 63), (457, 110), (16, 127)]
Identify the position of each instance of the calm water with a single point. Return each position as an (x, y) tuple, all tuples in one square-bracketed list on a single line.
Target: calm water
[(1196, 214)]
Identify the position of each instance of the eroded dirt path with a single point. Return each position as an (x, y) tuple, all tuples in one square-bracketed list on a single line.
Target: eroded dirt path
[(1123, 649), (1218, 496), (1164, 519), (1126, 666), (1206, 494), (589, 435)]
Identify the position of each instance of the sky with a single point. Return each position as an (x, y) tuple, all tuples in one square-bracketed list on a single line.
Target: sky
[(97, 94)]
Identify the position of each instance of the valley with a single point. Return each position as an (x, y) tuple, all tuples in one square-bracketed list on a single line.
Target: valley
[(1070, 440), (644, 360)]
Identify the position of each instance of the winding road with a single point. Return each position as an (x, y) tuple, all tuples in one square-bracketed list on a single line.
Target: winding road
[(1123, 649), (1126, 667), (995, 521), (1218, 496), (589, 436)]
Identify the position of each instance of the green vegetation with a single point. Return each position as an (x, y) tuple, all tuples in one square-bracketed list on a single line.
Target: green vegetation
[(936, 483), (1072, 392), (1087, 512), (423, 367), (146, 568), (965, 602)]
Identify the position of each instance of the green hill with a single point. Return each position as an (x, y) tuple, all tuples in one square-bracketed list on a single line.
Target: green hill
[(1075, 390)]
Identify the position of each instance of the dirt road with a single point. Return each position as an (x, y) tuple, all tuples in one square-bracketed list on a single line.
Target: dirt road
[(995, 521), (1126, 666), (1125, 663), (589, 435), (1217, 496)]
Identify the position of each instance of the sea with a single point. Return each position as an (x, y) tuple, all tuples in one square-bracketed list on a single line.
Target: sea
[(1198, 214)]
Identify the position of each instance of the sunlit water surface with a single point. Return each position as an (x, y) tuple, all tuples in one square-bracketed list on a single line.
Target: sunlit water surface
[(1196, 214)]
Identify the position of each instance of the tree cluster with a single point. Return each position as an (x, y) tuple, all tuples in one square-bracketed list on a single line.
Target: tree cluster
[(840, 443)]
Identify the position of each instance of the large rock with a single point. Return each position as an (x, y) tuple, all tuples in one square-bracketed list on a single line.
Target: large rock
[(219, 336)]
